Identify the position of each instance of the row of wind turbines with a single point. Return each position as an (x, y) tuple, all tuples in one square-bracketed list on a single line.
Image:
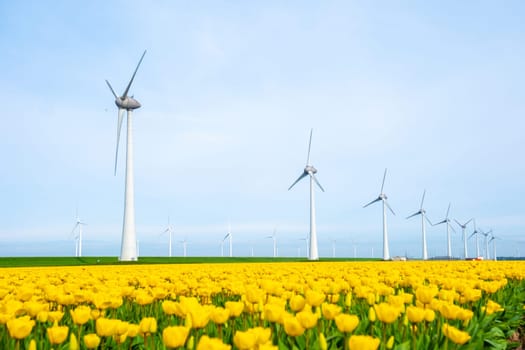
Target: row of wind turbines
[(129, 248)]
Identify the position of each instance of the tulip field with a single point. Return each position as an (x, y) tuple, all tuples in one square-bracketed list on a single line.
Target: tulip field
[(281, 305)]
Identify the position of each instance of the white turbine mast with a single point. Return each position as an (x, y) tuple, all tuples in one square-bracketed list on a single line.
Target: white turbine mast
[(333, 247), (169, 231), (447, 221), (228, 236), (309, 170), (383, 197), (476, 232), (273, 237), (486, 234), (127, 103), (184, 244), (464, 236), (424, 218), (78, 237), (493, 240)]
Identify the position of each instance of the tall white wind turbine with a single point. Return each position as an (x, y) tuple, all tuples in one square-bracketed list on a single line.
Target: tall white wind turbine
[(447, 221), (463, 235), (309, 170), (493, 240), (476, 232), (184, 243), (383, 197), (169, 231), (128, 250), (486, 234), (78, 238), (273, 237), (423, 212)]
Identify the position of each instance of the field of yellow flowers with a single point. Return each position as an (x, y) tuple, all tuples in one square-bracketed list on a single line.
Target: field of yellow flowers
[(322, 305)]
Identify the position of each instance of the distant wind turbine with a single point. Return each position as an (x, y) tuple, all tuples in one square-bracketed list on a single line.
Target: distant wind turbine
[(476, 233), (306, 243), (229, 236), (333, 247), (463, 228), (128, 249), (274, 242), (493, 240), (486, 234), (184, 243), (169, 231), (422, 212), (78, 238), (447, 221), (383, 197), (309, 170)]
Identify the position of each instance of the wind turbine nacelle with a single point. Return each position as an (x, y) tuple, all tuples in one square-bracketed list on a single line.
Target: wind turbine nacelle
[(310, 169), (128, 103)]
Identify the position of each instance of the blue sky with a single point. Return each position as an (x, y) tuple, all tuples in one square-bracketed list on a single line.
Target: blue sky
[(230, 91)]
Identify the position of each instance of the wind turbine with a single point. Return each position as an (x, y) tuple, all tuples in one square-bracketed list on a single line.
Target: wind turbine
[(169, 231), (309, 170), (126, 103), (463, 227), (333, 247), (423, 212), (184, 243), (486, 234), (494, 246), (274, 242), (305, 239), (78, 243), (229, 236), (476, 232), (446, 220), (382, 197)]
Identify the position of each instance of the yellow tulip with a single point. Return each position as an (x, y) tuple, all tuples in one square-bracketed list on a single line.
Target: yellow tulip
[(415, 314), (297, 303), (133, 330), (454, 334), (148, 325), (323, 345), (32, 345), (105, 327), (207, 343), (219, 315), (307, 319), (273, 313), (371, 314), (81, 314), (73, 342), (292, 327), (91, 341), (426, 294), (244, 340), (235, 307), (21, 327), (363, 342), (54, 316), (57, 334), (169, 307), (390, 342), (346, 323), (430, 315), (314, 298), (386, 313), (330, 310), (175, 336)]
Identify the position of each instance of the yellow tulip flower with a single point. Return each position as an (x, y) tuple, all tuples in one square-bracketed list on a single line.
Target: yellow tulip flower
[(297, 302), (415, 314), (219, 315), (175, 336), (91, 341), (292, 327), (363, 342), (330, 310), (81, 314), (235, 307), (346, 323), (454, 334), (244, 340), (148, 325), (307, 319), (386, 313), (207, 343), (21, 327), (57, 334)]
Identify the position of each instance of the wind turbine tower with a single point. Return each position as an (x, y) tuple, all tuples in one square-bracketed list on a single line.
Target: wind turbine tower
[(463, 227), (383, 197), (78, 243), (493, 240), (486, 234), (309, 170), (169, 231), (422, 212), (126, 103), (274, 242), (229, 236), (476, 232), (184, 243), (446, 221)]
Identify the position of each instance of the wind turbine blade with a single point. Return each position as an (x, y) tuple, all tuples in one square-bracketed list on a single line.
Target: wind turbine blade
[(133, 77), (388, 206), (408, 217), (317, 182), (309, 146), (74, 228), (457, 222), (422, 199), (112, 91), (448, 210), (119, 127), (472, 235), (439, 223), (452, 227), (466, 223), (428, 220), (298, 179), (383, 184), (372, 202)]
